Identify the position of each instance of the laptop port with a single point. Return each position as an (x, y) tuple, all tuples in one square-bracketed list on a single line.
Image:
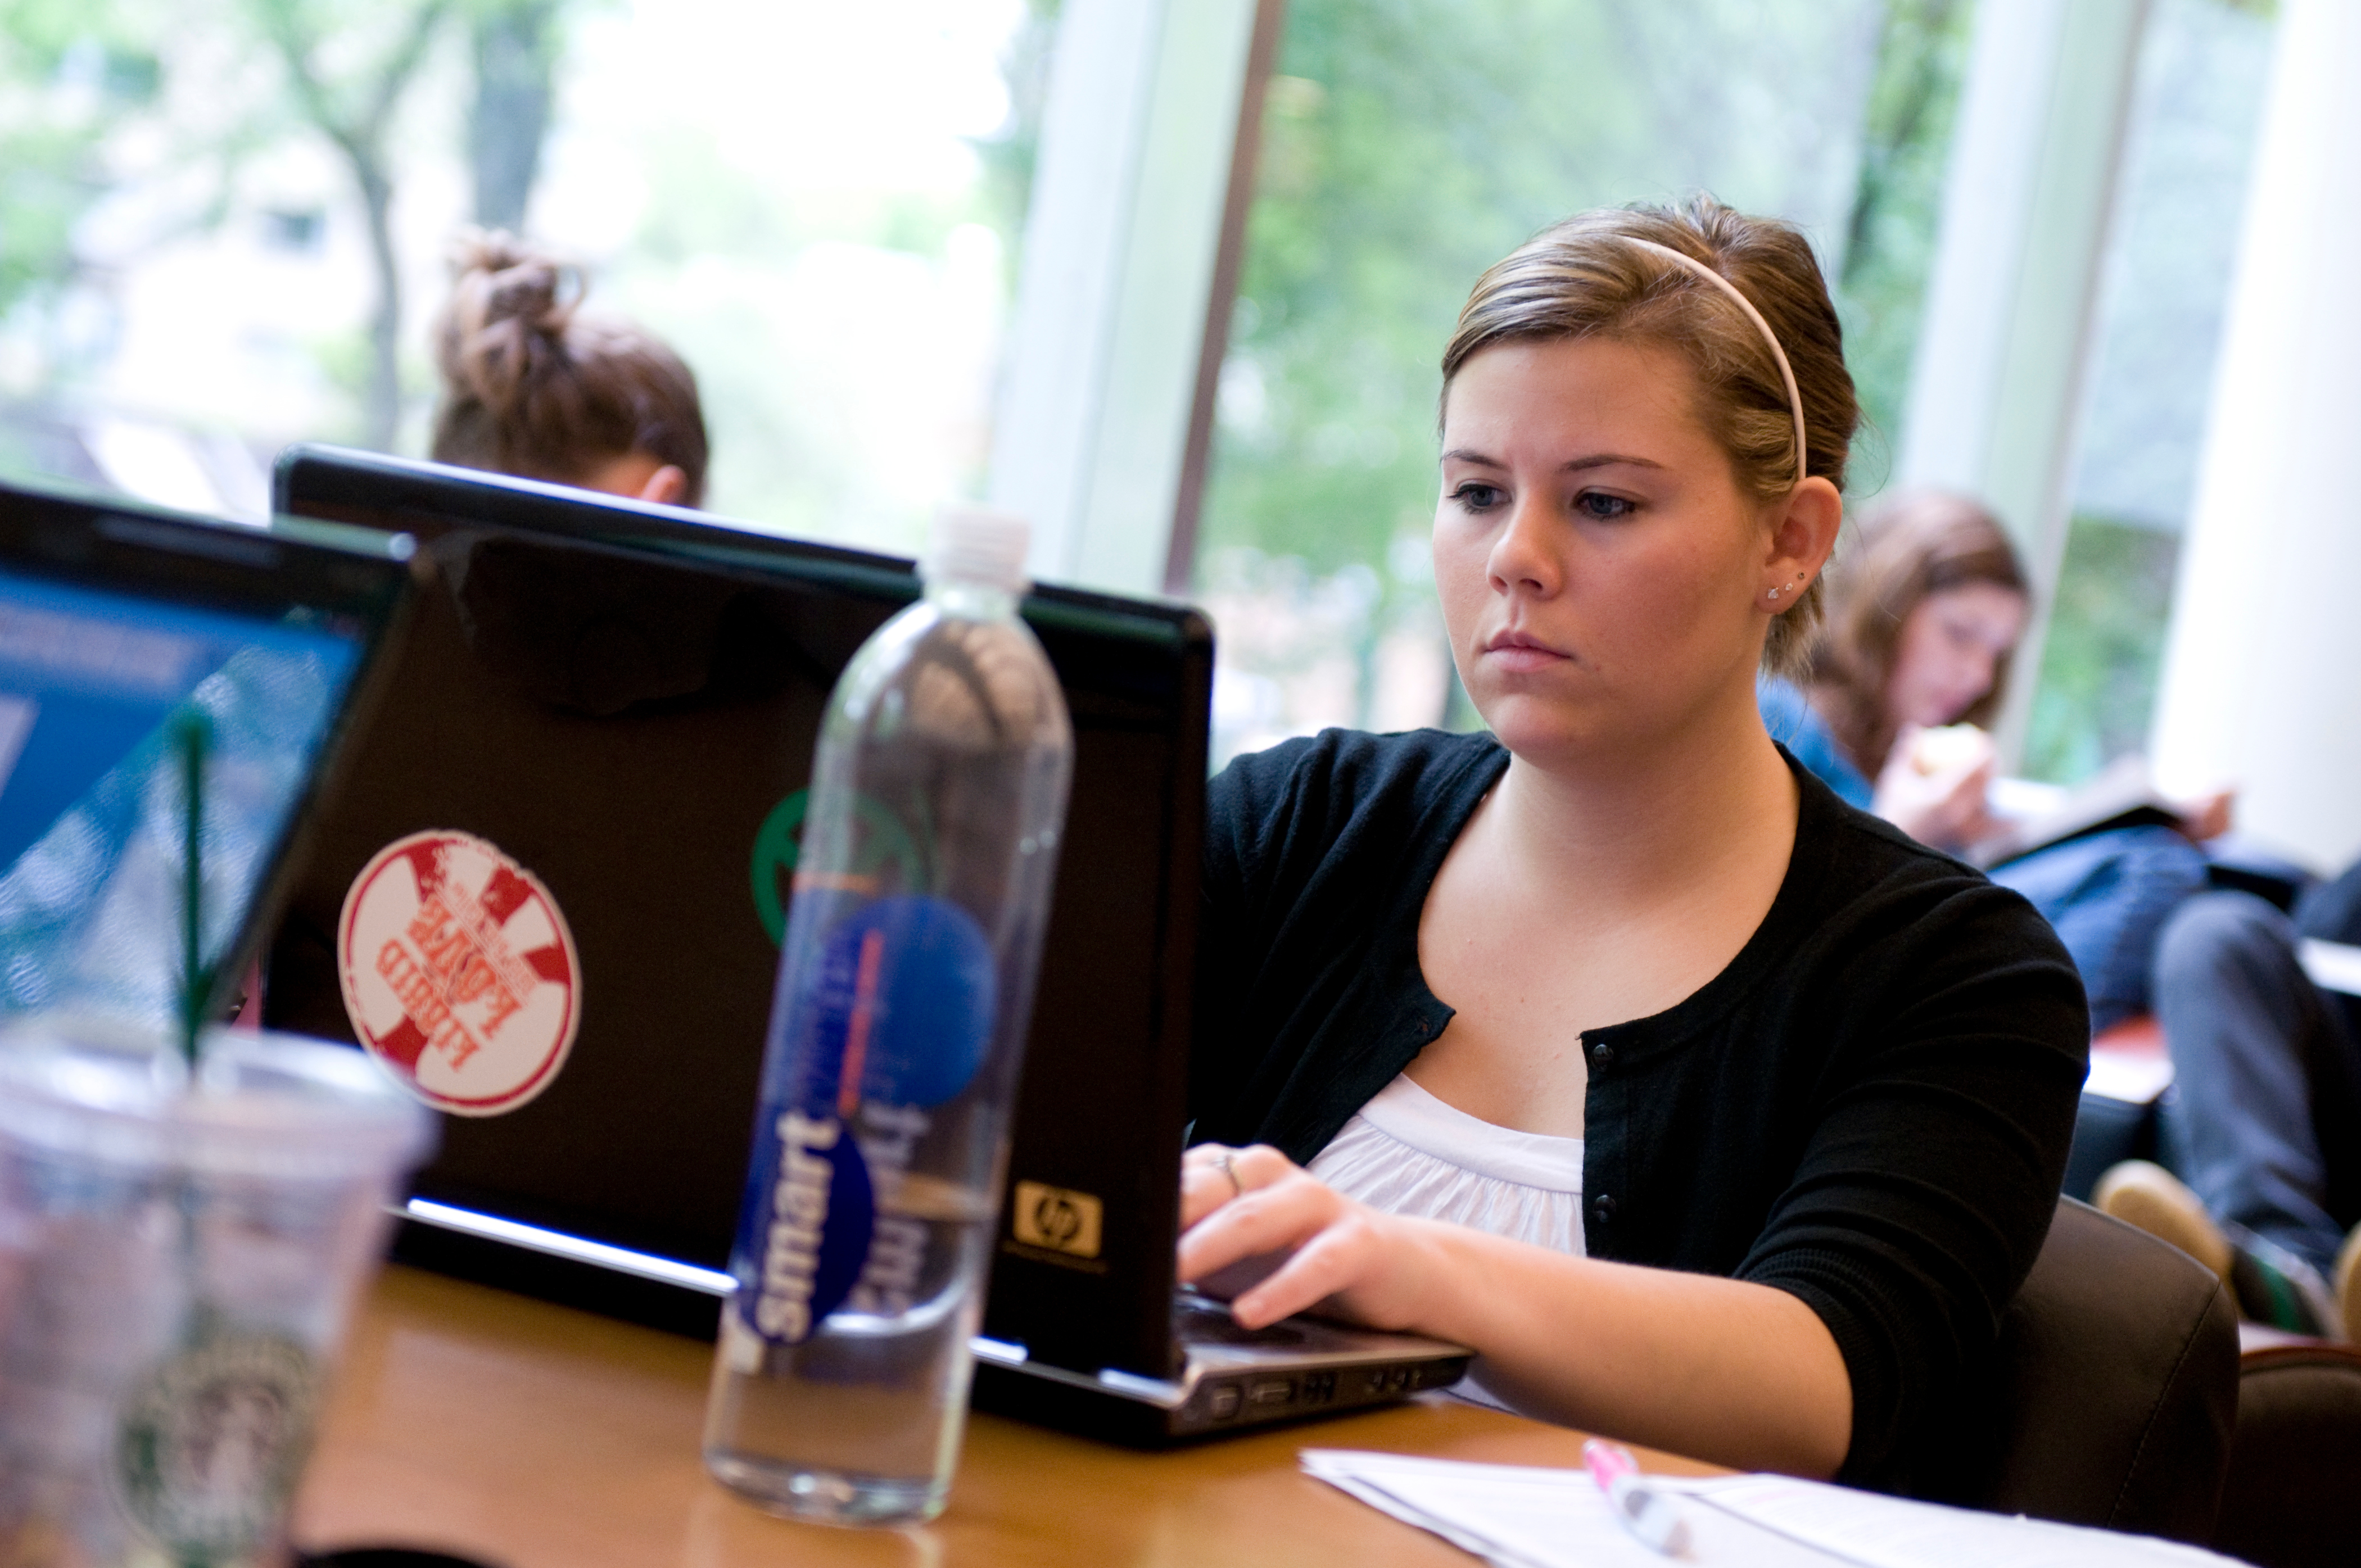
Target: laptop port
[(1272, 1391), (1222, 1403)]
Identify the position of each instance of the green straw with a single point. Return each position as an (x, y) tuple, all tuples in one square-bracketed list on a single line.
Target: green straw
[(192, 735)]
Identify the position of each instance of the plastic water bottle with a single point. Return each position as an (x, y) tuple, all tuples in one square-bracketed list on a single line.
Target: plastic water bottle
[(904, 991)]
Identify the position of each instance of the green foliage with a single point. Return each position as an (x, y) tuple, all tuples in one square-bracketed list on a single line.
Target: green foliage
[(1008, 155), (2100, 662), (1407, 144), (1401, 155), (68, 72), (1890, 235)]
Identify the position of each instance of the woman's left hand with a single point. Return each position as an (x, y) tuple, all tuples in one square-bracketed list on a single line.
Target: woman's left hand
[(1938, 800), (1237, 1204)]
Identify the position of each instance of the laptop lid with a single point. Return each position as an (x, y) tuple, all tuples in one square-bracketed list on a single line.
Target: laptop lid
[(128, 634), (615, 705)]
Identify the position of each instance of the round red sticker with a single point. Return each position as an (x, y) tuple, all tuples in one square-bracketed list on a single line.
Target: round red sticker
[(459, 974)]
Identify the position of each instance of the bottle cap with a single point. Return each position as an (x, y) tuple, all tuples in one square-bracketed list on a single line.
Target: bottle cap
[(977, 544)]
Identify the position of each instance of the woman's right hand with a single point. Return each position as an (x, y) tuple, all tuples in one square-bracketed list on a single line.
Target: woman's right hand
[(1308, 1245), (1937, 798)]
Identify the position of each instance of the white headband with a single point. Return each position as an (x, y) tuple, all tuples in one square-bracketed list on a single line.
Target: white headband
[(1794, 397)]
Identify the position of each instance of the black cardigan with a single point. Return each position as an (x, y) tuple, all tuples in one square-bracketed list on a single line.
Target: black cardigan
[(1868, 1108)]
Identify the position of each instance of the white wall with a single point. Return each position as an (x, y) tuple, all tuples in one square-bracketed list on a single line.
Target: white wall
[(2262, 674)]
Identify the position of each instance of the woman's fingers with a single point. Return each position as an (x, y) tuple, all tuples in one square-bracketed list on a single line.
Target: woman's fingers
[(1216, 1174), (1331, 1245), (1341, 1255), (1272, 1217), (1208, 1181)]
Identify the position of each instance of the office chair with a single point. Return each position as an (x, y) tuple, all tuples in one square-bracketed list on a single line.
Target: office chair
[(2291, 1500), (2111, 1395)]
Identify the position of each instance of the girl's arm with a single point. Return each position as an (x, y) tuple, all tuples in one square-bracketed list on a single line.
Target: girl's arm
[(1724, 1370)]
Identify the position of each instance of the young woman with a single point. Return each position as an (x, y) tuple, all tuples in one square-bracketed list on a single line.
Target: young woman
[(1712, 1112), (534, 388), (1924, 619)]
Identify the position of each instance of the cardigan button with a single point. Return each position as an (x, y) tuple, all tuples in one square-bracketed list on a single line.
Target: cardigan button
[(1602, 1207), (1602, 1057)]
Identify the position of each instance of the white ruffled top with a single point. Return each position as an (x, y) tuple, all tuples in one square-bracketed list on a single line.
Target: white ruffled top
[(1406, 1152)]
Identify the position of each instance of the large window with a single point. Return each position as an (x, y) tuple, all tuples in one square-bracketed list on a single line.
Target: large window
[(205, 210), (2198, 101), (1407, 146)]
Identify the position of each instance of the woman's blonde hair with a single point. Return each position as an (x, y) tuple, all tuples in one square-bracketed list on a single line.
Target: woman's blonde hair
[(533, 387), (1579, 278), (1912, 545)]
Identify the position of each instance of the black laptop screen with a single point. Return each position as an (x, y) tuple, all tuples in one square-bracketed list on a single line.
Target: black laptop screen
[(621, 702), (102, 695)]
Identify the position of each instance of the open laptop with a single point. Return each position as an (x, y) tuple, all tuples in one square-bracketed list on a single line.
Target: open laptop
[(614, 706), (133, 643)]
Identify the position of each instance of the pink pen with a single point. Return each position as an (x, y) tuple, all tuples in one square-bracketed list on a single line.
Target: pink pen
[(1653, 1518)]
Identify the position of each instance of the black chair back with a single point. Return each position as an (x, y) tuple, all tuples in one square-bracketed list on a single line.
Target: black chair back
[(2112, 1394), (2292, 1500)]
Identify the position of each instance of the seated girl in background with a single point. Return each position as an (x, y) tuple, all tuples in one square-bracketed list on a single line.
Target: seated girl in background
[(1711, 1111), (533, 386), (1924, 618)]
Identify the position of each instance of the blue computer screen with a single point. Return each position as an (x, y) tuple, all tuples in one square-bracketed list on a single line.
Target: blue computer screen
[(99, 692)]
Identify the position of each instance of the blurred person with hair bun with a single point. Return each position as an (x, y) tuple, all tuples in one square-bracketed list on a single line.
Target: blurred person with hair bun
[(536, 387)]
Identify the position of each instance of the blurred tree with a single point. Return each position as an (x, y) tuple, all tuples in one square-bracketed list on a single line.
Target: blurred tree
[(515, 46), (2100, 662), (1890, 233), (348, 63), (68, 76), (1407, 144), (1009, 154)]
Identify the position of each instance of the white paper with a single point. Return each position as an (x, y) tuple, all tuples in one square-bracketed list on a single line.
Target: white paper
[(1517, 1516), (2333, 966), (1878, 1532), (2135, 1077)]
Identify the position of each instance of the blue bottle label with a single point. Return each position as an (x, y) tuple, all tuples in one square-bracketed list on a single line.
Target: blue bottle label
[(894, 1019)]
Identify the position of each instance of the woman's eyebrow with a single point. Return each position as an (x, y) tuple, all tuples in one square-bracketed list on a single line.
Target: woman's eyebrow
[(1609, 459), (1596, 460)]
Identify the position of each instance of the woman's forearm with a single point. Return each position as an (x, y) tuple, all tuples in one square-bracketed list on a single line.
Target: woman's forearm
[(1743, 1374), (1718, 1369)]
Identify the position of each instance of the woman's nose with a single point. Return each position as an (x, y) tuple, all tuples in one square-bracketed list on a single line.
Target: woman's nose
[(1982, 664), (1523, 555)]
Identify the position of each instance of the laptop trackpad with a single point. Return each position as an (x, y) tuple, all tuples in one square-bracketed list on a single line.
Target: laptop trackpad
[(1233, 1280)]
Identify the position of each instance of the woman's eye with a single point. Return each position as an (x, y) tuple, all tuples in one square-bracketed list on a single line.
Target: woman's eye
[(1475, 497), (1595, 503)]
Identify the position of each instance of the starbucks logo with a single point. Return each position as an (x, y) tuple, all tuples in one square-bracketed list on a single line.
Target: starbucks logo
[(212, 1443)]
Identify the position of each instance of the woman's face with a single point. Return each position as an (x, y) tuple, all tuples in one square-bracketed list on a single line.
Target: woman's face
[(1600, 569), (1949, 646)]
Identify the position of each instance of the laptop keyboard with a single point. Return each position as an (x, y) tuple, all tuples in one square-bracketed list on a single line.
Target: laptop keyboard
[(1199, 1320)]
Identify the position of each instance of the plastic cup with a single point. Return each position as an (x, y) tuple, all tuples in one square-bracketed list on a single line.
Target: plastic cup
[(179, 1258)]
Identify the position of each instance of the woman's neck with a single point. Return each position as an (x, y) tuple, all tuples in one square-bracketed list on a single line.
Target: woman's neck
[(1649, 822)]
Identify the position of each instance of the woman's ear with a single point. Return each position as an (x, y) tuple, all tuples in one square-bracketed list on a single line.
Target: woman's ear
[(1803, 536), (665, 485)]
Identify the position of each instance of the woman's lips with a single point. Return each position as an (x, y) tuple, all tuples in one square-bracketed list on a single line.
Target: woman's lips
[(1519, 654)]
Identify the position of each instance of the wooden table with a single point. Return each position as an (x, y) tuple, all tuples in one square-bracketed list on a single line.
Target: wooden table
[(531, 1436)]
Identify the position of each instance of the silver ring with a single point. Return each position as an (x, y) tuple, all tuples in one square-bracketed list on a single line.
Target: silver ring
[(1222, 1162)]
